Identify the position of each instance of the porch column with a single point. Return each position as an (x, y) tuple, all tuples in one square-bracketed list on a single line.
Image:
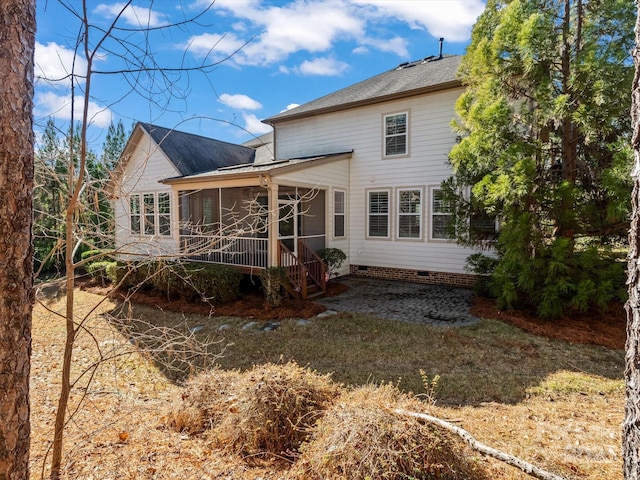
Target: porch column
[(274, 218)]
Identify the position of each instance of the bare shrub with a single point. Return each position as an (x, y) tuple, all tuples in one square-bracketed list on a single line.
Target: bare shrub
[(206, 398), (360, 437), (274, 408), (266, 410)]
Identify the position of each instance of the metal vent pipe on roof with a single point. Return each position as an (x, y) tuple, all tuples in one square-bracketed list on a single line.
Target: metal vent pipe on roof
[(440, 50)]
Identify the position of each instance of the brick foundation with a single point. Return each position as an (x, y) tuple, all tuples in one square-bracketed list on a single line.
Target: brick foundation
[(416, 276)]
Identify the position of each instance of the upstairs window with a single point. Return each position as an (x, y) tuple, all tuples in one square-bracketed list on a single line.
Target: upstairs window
[(378, 217), (395, 134)]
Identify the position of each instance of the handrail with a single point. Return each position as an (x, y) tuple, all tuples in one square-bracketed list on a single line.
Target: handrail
[(296, 271), (314, 264)]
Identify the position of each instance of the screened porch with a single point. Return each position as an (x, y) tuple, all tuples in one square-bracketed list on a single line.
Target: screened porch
[(251, 227)]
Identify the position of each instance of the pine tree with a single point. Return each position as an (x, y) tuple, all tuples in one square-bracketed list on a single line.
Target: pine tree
[(544, 126)]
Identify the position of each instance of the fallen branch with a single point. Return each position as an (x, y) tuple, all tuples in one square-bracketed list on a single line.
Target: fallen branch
[(526, 467)]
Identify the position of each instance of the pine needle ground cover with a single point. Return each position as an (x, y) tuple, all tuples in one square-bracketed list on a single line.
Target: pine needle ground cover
[(552, 403)]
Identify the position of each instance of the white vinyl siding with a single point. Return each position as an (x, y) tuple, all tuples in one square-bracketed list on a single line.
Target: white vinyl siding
[(425, 165), (378, 214), (409, 213), (144, 167)]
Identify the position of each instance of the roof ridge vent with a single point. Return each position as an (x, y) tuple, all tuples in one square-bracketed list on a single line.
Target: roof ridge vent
[(402, 65)]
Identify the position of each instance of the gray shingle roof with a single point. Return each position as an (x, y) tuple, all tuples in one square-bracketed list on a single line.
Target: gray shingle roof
[(407, 79), (193, 154)]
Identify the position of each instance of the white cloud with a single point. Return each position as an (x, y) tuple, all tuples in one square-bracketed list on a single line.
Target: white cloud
[(54, 64), (239, 101), (322, 66), (134, 16), (50, 104), (302, 25), (361, 50), (315, 26), (290, 106), (214, 46), (254, 125), (451, 19), (395, 45)]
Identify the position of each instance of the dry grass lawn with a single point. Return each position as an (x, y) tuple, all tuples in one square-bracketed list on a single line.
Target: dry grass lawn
[(554, 404)]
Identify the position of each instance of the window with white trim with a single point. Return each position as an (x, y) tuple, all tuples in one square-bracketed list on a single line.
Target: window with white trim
[(441, 212), (164, 213), (378, 213), (134, 213), (396, 134), (409, 213), (339, 213), (150, 213)]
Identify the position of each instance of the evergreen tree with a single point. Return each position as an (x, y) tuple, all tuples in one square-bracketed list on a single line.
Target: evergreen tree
[(49, 195), (94, 221), (544, 126)]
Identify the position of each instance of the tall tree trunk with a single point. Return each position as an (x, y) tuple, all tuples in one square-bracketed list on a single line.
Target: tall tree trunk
[(17, 40), (631, 425)]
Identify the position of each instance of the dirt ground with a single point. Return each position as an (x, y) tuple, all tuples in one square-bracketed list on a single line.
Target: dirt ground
[(607, 329)]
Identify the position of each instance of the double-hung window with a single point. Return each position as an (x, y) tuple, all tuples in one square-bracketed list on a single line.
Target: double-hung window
[(441, 212), (149, 209), (150, 213), (339, 210), (409, 213), (134, 214), (396, 134), (164, 214), (378, 213)]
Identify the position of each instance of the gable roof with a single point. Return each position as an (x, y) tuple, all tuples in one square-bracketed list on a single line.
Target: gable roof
[(192, 154), (407, 79)]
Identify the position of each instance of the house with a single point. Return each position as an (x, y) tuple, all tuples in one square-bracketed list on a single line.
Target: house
[(358, 169)]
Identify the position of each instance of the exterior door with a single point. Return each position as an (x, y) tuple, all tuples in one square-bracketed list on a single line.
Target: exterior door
[(288, 224)]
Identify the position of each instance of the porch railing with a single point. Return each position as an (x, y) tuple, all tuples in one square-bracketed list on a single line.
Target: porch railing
[(313, 264), (296, 273), (228, 250)]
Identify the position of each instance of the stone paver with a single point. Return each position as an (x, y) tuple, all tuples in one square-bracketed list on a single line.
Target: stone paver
[(409, 302)]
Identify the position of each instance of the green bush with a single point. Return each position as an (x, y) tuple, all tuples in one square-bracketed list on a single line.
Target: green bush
[(104, 271), (189, 281), (333, 257), (558, 279)]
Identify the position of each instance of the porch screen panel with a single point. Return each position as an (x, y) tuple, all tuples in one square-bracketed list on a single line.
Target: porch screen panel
[(378, 214)]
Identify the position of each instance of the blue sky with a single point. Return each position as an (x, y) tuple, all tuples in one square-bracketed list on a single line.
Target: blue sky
[(263, 56)]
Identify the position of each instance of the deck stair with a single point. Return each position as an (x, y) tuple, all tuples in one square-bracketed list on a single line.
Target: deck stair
[(306, 272)]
